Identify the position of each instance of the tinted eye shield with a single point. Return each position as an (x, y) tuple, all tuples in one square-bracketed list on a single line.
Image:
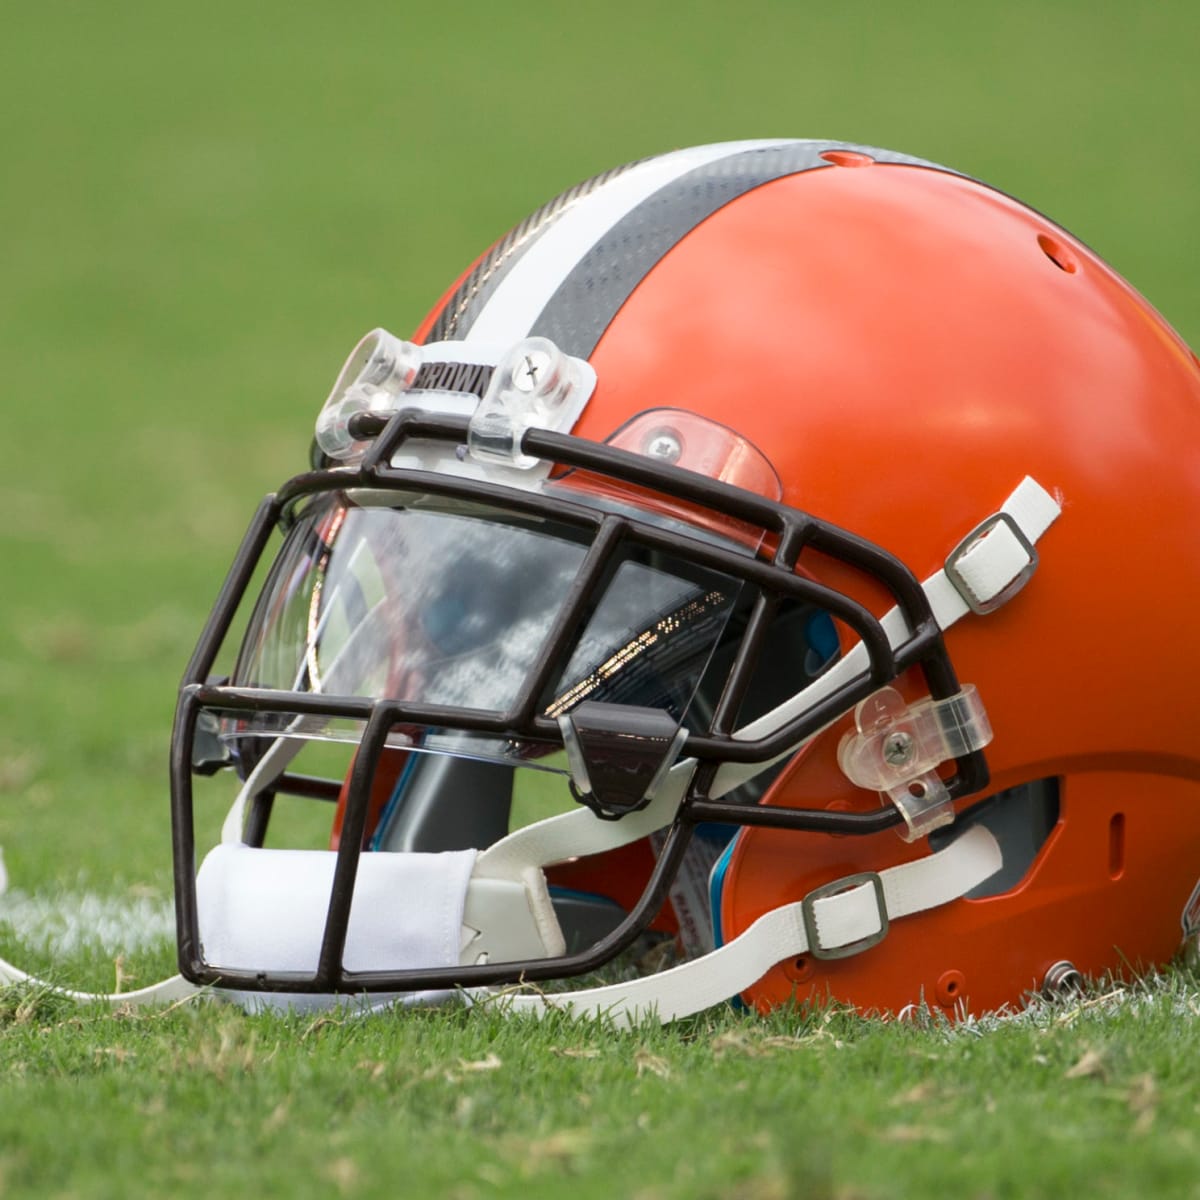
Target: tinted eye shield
[(772, 576)]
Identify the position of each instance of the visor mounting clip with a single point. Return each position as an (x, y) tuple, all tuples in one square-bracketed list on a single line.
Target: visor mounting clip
[(619, 755)]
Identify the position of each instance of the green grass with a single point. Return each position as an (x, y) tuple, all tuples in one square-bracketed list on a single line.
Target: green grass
[(1079, 1096), (201, 209)]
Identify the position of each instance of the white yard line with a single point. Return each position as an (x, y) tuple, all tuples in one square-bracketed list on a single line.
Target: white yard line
[(65, 923)]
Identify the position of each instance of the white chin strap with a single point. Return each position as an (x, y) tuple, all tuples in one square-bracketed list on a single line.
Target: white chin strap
[(264, 909), (845, 917)]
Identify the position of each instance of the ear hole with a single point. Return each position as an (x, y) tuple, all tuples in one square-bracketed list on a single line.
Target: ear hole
[(1021, 819)]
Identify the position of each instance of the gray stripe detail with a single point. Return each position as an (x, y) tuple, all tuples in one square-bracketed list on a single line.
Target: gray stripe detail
[(594, 290)]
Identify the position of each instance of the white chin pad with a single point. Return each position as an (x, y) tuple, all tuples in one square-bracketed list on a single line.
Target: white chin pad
[(264, 911)]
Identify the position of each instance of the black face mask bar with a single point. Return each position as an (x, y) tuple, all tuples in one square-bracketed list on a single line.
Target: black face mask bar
[(774, 580)]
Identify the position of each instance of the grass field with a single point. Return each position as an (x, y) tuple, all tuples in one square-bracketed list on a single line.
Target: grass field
[(201, 208)]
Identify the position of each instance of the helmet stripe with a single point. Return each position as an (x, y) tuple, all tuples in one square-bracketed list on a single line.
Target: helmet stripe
[(502, 297), (604, 277), (566, 272)]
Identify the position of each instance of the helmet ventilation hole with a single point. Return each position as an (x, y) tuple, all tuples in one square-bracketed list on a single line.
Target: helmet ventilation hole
[(951, 987), (1057, 253), (1116, 845), (800, 969), (847, 158)]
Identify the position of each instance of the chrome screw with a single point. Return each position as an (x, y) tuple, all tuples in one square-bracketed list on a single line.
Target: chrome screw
[(529, 373), (898, 748), (664, 446)]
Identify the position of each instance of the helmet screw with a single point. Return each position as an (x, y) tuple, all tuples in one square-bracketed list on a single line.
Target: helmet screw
[(664, 445), (898, 748), (530, 372)]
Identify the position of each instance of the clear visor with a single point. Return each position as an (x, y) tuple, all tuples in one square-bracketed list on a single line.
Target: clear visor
[(435, 601)]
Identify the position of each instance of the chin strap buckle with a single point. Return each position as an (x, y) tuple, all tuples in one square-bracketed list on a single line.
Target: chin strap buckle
[(619, 755), (898, 748), (857, 894), (992, 563)]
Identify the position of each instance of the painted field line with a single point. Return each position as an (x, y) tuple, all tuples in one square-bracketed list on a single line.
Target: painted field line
[(65, 923)]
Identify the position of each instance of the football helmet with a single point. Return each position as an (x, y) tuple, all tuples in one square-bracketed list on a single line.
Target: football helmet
[(767, 572)]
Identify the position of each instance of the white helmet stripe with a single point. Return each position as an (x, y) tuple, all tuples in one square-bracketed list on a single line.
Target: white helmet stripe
[(517, 302)]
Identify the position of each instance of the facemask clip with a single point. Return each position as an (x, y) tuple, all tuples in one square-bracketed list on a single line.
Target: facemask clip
[(619, 755), (535, 385), (379, 370), (899, 746)]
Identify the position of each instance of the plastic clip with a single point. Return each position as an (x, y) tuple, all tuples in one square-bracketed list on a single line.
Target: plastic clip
[(899, 746), (535, 385), (380, 368)]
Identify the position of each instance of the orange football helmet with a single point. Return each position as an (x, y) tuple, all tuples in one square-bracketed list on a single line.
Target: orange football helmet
[(820, 526)]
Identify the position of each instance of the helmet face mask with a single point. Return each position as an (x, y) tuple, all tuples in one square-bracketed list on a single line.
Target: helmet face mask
[(651, 544), (633, 614)]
